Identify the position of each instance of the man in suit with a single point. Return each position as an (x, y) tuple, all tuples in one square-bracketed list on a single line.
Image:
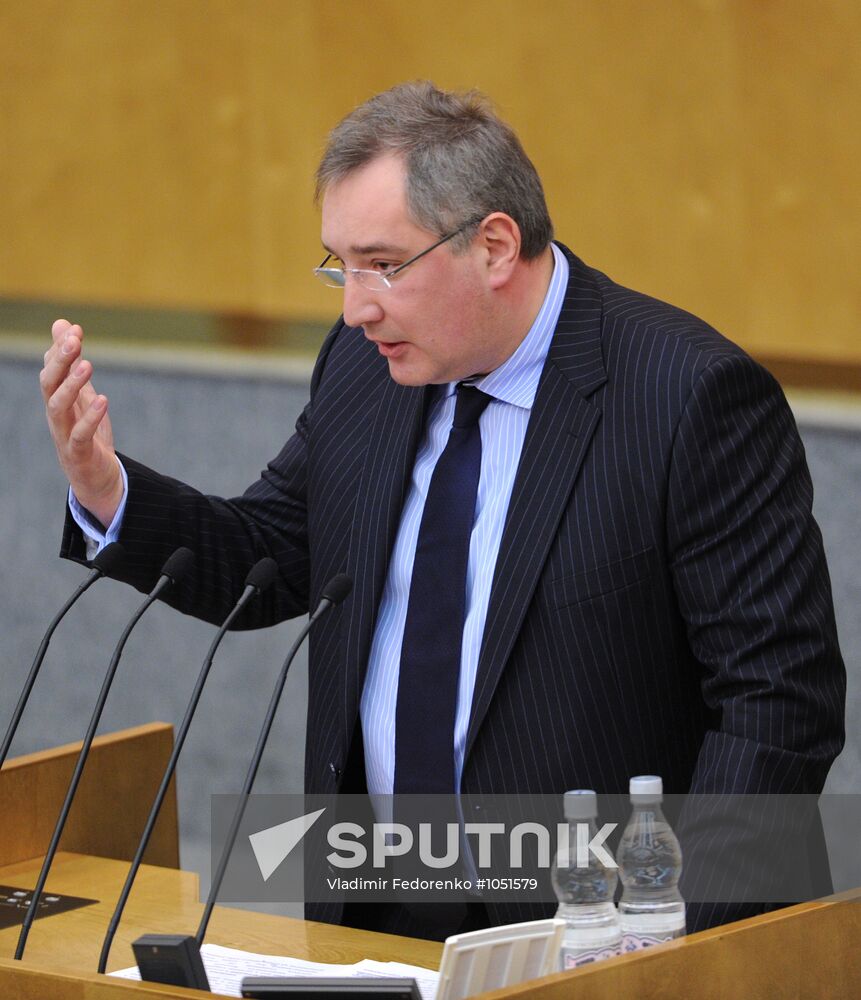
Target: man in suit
[(644, 589)]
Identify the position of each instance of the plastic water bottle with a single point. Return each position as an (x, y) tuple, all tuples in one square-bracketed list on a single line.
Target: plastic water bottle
[(651, 909), (585, 893)]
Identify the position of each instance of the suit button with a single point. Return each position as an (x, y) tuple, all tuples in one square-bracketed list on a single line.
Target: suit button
[(336, 771)]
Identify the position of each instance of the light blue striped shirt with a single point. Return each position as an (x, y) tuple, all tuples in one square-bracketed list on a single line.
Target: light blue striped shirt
[(503, 428), (96, 537)]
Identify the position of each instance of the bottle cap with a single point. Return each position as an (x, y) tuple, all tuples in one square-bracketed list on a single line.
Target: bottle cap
[(647, 787), (582, 803)]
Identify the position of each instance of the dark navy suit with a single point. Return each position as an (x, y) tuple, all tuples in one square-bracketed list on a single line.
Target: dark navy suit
[(660, 603)]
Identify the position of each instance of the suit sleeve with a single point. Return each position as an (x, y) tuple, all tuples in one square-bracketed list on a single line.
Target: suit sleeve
[(227, 536), (752, 585)]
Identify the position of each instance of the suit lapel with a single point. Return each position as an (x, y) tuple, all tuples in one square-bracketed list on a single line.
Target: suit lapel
[(560, 429), (394, 438)]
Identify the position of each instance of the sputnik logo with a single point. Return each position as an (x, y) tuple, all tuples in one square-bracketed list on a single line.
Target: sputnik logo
[(272, 845)]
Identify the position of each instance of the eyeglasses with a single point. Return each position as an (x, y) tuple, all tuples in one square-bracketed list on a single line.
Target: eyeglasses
[(379, 281)]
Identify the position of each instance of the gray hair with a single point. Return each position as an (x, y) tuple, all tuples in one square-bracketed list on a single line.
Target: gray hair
[(462, 161)]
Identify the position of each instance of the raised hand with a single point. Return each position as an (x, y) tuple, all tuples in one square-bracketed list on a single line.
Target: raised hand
[(79, 424)]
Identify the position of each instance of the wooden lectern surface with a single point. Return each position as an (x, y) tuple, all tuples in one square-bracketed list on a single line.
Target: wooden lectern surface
[(113, 800), (105, 823), (167, 901), (801, 953), (804, 952)]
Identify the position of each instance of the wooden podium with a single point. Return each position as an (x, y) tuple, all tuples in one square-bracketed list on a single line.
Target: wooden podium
[(802, 952)]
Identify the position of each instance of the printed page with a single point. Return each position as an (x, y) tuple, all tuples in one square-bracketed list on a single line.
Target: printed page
[(426, 979), (227, 967)]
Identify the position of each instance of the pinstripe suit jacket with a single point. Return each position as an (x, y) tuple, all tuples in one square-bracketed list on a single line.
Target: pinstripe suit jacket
[(660, 603)]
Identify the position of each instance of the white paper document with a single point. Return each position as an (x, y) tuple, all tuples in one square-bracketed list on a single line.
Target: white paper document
[(227, 967)]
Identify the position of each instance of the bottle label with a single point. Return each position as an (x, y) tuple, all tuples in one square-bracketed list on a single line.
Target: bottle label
[(573, 958), (636, 942)]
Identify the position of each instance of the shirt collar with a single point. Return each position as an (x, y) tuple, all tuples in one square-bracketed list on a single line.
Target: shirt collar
[(515, 381)]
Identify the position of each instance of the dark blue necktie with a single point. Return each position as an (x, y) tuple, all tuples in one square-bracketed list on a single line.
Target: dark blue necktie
[(433, 632)]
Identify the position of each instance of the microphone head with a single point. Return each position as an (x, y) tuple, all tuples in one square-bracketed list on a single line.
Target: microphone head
[(337, 589), (178, 564), (262, 574), (109, 559)]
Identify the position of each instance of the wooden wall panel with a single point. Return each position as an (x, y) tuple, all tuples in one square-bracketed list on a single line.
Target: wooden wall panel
[(130, 180), (801, 108), (704, 151)]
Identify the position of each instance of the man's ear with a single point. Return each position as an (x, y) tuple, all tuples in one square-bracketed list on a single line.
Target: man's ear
[(500, 235)]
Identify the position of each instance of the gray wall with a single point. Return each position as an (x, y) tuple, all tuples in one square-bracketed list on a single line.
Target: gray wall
[(216, 431)]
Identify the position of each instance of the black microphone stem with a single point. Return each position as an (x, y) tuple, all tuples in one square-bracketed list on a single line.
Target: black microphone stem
[(250, 592), (97, 572), (30, 915), (217, 879)]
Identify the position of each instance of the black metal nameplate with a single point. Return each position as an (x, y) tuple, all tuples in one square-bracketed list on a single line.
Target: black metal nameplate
[(15, 901)]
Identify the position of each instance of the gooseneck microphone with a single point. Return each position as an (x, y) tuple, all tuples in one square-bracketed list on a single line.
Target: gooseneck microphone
[(260, 577), (174, 569), (103, 565), (169, 958), (333, 593)]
